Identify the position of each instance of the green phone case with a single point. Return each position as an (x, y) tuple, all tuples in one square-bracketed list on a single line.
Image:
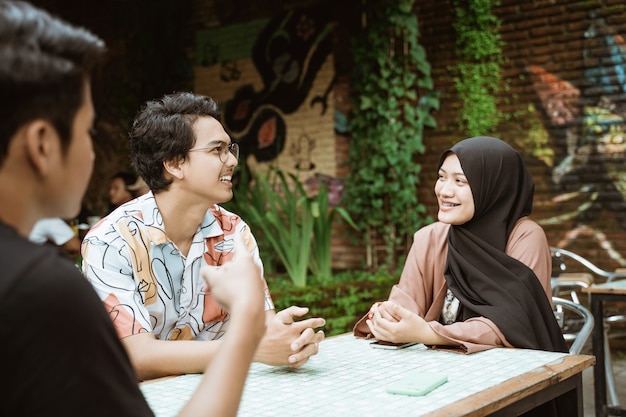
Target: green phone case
[(417, 384)]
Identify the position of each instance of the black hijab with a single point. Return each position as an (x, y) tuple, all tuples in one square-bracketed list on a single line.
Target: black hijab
[(481, 275)]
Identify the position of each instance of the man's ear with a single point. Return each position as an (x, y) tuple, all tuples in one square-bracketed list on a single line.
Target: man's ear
[(42, 144), (174, 168)]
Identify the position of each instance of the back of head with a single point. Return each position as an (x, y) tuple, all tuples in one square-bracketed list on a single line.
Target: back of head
[(44, 63), (163, 131)]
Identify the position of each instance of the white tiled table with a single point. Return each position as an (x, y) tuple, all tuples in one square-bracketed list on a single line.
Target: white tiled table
[(348, 378)]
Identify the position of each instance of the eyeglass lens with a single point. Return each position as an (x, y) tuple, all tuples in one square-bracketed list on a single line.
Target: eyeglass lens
[(232, 148)]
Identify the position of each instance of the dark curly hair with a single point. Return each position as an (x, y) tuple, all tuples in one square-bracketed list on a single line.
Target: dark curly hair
[(163, 131)]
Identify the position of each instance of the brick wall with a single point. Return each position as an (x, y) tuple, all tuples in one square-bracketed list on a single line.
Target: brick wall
[(565, 96), (565, 66), (314, 142)]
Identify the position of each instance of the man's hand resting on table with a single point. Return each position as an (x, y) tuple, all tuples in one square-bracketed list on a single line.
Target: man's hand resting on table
[(289, 342), (286, 342)]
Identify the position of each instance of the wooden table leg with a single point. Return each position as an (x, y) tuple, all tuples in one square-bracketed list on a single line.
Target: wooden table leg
[(597, 338)]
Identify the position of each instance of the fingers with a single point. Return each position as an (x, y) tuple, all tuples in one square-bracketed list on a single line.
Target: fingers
[(239, 248), (385, 310), (373, 308), (374, 330), (242, 261), (309, 349), (380, 327), (380, 311), (306, 324), (237, 283), (397, 311), (391, 311), (306, 340), (308, 336), (286, 315)]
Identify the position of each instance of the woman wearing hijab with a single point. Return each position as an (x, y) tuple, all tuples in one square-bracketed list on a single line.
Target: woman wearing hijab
[(479, 277)]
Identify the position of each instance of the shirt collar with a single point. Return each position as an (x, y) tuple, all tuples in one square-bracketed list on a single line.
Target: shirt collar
[(153, 220)]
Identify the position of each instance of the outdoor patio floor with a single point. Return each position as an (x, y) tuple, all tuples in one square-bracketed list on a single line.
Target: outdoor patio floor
[(618, 357)]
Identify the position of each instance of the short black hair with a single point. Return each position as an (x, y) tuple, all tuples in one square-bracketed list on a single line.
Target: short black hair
[(44, 63)]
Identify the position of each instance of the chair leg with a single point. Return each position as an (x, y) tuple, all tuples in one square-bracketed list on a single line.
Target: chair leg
[(608, 369)]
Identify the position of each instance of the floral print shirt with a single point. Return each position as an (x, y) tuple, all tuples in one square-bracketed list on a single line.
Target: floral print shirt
[(144, 281)]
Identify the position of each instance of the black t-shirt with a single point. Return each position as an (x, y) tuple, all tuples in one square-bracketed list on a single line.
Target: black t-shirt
[(59, 350)]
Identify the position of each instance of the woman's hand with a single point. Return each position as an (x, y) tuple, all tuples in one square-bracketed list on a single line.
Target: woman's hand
[(393, 323)]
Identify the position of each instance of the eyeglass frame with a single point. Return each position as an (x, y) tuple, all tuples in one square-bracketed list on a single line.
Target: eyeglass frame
[(232, 147)]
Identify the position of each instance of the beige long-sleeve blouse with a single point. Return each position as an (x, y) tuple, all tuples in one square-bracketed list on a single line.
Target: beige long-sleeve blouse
[(422, 287)]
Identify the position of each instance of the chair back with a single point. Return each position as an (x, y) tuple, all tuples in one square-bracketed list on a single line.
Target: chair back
[(561, 258), (580, 335)]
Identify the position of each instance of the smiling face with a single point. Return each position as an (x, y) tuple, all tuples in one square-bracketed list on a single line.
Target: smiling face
[(456, 202), (206, 174)]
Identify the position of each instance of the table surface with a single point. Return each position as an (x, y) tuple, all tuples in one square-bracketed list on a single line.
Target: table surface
[(612, 287), (348, 378)]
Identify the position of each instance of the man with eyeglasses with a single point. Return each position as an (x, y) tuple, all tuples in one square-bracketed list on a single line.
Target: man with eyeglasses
[(144, 258)]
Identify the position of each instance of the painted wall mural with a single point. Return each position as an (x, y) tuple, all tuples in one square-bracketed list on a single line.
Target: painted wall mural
[(273, 79), (586, 119)]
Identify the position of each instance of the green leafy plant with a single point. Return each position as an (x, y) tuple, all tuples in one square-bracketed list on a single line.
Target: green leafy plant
[(248, 200), (285, 217), (293, 227), (478, 73), (324, 214), (340, 302), (394, 99)]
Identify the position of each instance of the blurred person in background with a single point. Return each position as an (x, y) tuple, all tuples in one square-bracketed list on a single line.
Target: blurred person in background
[(119, 192), (139, 187)]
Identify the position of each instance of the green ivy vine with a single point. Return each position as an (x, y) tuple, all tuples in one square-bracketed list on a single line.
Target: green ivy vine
[(393, 101), (478, 73)]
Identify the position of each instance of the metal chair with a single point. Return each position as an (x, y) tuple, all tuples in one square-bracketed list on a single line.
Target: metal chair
[(565, 281), (561, 258), (579, 337)]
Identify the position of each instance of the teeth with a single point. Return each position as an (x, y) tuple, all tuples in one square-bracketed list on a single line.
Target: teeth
[(226, 178), (448, 204)]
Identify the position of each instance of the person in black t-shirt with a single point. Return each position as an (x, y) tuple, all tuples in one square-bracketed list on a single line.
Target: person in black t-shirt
[(62, 356)]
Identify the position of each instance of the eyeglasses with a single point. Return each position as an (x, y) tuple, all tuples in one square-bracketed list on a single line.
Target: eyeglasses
[(222, 149)]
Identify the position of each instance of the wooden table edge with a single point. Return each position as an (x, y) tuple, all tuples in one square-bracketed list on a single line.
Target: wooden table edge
[(497, 397), (159, 379)]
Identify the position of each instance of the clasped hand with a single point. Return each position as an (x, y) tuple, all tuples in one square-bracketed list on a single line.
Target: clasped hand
[(393, 323), (289, 342)]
